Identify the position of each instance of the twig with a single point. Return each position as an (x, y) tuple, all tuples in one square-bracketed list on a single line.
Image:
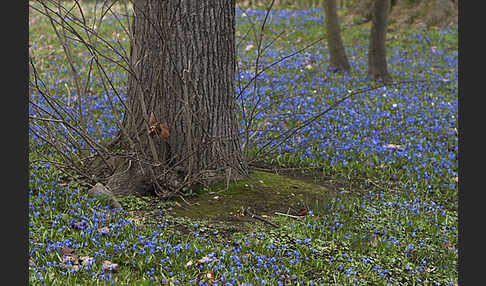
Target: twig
[(291, 216), (247, 212)]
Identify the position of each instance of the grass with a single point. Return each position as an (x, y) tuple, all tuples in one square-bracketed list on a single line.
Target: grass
[(394, 150)]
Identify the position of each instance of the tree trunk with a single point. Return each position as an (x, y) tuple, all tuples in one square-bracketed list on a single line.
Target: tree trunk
[(377, 67), (339, 61), (183, 58)]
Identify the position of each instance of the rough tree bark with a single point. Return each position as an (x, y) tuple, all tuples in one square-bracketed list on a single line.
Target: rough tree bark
[(377, 66), (183, 57), (338, 59)]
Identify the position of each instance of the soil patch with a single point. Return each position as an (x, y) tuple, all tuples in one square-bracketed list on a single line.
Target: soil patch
[(265, 193)]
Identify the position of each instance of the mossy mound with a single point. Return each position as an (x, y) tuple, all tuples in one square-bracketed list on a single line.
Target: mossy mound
[(264, 193)]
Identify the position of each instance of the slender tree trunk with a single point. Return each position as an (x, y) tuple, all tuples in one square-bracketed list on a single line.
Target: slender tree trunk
[(339, 61), (183, 56), (377, 66)]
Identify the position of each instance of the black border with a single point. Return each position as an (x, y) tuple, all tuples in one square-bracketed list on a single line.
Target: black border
[(471, 94), (14, 116)]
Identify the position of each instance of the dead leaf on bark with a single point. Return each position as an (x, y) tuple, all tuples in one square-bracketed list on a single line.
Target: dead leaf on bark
[(164, 131), (152, 121), (159, 128)]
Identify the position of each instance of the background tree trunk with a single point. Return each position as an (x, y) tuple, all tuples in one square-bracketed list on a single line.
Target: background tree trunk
[(183, 56), (417, 13), (339, 61), (377, 67)]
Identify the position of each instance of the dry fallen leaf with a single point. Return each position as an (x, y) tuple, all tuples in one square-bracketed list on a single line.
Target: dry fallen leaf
[(374, 241), (449, 245), (392, 146), (66, 251), (104, 230), (86, 260), (210, 275), (203, 260), (302, 212), (80, 225), (109, 266), (69, 258)]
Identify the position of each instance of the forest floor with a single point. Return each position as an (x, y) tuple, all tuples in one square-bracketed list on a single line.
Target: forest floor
[(365, 195)]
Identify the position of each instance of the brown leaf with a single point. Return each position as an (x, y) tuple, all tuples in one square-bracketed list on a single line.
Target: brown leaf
[(164, 131), (152, 124), (205, 260), (210, 276), (152, 121), (80, 225), (393, 146), (86, 260), (104, 230), (109, 266), (68, 255), (449, 245), (302, 212), (66, 251), (189, 263), (374, 241)]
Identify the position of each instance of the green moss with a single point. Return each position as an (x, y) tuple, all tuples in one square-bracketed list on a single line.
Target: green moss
[(264, 192)]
